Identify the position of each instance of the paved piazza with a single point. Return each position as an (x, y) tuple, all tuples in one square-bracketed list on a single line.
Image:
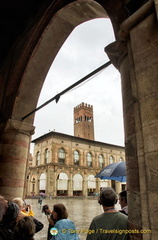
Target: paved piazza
[(81, 211)]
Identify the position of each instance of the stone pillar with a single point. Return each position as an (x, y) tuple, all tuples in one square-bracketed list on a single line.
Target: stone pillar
[(135, 55), (97, 185), (84, 186), (70, 186), (54, 181), (14, 153), (50, 182), (117, 187), (37, 185)]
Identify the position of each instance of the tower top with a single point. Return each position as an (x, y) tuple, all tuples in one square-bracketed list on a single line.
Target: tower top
[(83, 105)]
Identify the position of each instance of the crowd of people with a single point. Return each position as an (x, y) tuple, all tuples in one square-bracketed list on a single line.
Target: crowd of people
[(17, 220)]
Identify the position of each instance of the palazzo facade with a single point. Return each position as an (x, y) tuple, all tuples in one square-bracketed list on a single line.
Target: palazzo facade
[(66, 165)]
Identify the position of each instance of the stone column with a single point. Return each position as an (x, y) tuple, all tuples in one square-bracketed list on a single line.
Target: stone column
[(70, 186), (97, 185), (117, 187), (84, 185), (14, 153), (51, 189), (37, 185), (135, 55), (55, 181)]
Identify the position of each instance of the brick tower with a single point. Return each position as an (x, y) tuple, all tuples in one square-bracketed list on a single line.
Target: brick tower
[(83, 121)]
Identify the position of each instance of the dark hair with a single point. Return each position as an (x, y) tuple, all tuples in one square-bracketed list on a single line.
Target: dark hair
[(61, 211), (3, 207), (11, 214), (24, 229), (107, 197), (123, 195)]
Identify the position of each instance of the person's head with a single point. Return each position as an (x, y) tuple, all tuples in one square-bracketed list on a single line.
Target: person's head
[(61, 211), (3, 207), (123, 198), (24, 229), (19, 202), (107, 197), (11, 214)]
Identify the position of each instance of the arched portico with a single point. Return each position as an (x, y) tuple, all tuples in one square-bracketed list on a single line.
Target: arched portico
[(134, 54)]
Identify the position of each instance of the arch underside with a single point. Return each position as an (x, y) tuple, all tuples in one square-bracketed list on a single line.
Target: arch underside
[(49, 44)]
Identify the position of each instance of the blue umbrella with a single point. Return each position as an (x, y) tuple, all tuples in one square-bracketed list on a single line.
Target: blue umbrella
[(115, 171)]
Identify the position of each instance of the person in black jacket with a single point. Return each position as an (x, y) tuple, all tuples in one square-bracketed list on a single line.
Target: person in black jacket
[(50, 219), (3, 207), (123, 202), (8, 220), (24, 229)]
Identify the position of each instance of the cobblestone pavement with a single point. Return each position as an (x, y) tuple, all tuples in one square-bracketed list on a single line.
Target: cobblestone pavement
[(81, 212)]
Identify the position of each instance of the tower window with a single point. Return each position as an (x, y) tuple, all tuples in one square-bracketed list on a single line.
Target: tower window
[(88, 119), (78, 120)]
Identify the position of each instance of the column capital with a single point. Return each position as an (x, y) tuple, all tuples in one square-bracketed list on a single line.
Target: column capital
[(19, 126), (116, 52)]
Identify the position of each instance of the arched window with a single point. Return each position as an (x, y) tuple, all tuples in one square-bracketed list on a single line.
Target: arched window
[(120, 159), (61, 156), (42, 182), (38, 158), (46, 156), (101, 161), (111, 159), (89, 159), (76, 158)]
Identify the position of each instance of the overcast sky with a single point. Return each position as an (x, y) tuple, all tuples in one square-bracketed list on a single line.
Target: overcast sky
[(82, 53)]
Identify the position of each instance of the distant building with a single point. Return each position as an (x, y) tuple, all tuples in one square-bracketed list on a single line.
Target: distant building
[(66, 165)]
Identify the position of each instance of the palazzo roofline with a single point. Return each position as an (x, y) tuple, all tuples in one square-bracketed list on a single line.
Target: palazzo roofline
[(78, 139)]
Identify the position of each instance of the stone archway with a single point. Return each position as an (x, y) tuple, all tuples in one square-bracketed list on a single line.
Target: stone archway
[(56, 32), (53, 37)]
